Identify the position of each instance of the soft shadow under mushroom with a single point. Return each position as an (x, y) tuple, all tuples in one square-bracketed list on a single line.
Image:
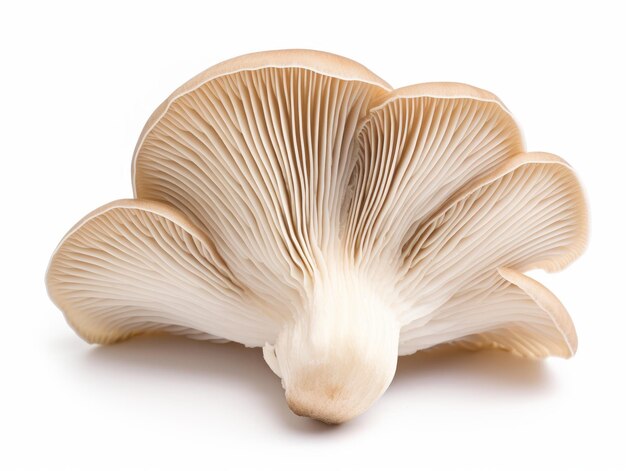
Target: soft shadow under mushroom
[(207, 362), (445, 368), (466, 370)]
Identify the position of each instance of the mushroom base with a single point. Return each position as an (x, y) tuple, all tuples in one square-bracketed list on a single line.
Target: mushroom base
[(340, 355)]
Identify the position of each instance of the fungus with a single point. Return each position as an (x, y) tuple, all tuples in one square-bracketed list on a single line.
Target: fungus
[(291, 200)]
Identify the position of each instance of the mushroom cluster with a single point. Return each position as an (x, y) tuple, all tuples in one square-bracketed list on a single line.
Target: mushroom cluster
[(292, 200)]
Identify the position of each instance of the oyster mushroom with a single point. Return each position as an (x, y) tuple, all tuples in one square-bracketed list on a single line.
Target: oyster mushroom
[(292, 200)]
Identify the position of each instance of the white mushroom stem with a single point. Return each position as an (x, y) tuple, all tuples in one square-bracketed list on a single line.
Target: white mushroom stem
[(339, 355)]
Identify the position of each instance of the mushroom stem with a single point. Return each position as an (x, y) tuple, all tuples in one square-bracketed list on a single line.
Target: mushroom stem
[(340, 355)]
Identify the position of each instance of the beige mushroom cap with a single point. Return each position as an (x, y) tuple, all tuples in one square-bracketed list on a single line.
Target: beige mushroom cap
[(322, 63)]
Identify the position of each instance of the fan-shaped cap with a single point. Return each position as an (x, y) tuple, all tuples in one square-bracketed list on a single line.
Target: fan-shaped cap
[(133, 267), (419, 145), (256, 152), (515, 313), (527, 214), (322, 63)]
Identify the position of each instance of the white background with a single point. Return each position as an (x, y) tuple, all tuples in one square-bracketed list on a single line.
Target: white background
[(78, 83)]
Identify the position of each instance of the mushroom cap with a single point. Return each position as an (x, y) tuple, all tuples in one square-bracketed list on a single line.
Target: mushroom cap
[(519, 315), (134, 266), (320, 62), (419, 145), (525, 215), (256, 152)]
